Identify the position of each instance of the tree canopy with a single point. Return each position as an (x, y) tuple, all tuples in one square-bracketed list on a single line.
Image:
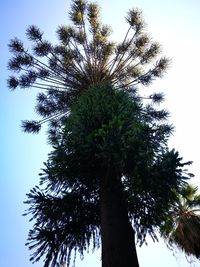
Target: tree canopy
[(106, 130), (85, 56)]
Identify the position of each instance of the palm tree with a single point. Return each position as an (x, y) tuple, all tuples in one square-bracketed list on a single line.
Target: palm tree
[(182, 227)]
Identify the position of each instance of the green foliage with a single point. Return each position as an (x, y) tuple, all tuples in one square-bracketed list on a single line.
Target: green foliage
[(107, 130), (98, 124), (182, 226), (63, 222), (85, 56)]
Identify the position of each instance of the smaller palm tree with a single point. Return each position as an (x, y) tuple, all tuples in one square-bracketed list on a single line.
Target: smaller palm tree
[(182, 227)]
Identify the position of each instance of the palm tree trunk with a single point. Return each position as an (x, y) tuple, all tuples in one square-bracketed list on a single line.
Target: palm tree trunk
[(118, 242)]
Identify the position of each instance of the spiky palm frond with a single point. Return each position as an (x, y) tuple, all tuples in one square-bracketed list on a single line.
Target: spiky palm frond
[(182, 227), (84, 57)]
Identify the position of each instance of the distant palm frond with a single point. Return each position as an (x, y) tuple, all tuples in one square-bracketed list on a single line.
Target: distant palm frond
[(182, 227)]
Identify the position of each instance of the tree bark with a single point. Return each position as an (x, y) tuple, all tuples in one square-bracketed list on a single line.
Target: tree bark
[(118, 238)]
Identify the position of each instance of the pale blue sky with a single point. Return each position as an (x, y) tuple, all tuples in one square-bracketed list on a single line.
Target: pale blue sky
[(173, 23)]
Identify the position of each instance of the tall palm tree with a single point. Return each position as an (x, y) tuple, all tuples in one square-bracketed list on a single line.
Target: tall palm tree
[(182, 227)]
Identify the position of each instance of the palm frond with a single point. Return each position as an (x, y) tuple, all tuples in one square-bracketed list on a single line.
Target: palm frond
[(182, 226)]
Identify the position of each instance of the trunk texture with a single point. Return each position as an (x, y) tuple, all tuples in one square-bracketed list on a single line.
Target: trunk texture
[(118, 238)]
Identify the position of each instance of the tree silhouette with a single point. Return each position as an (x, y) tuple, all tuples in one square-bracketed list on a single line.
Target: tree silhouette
[(110, 167), (84, 57), (110, 176)]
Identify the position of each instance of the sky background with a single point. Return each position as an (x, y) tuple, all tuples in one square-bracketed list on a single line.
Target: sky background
[(173, 23)]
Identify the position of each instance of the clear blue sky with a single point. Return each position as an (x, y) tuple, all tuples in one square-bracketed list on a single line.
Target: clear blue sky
[(173, 23)]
